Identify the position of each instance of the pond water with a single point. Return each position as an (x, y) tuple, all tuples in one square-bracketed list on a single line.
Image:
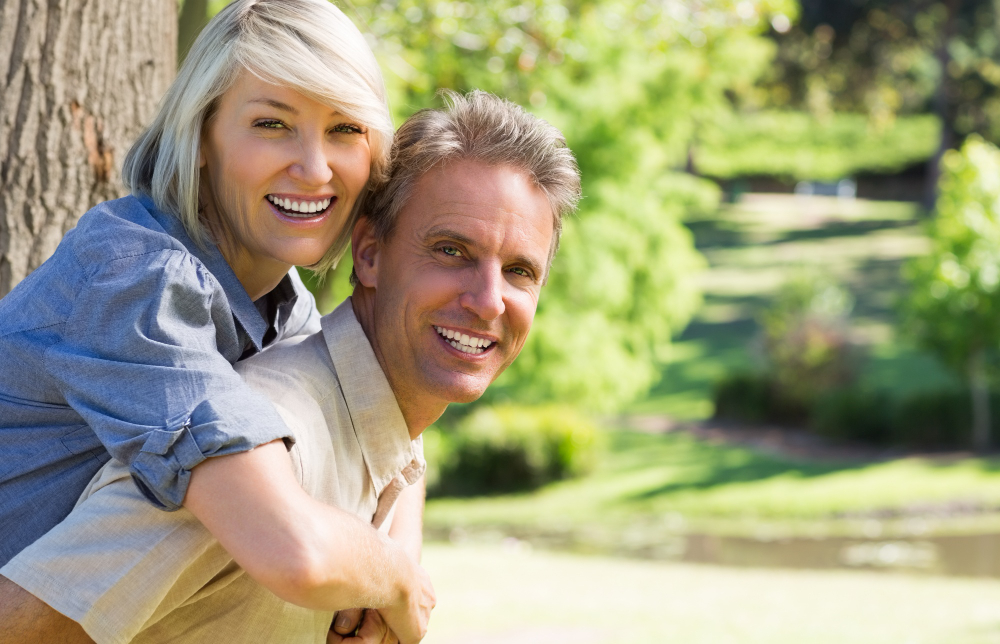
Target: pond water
[(959, 555), (975, 555)]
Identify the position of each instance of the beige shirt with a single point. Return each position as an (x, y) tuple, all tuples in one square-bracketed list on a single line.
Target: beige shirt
[(129, 572)]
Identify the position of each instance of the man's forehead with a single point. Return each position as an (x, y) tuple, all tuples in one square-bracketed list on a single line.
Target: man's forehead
[(474, 194)]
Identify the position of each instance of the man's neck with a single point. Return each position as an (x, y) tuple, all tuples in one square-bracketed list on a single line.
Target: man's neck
[(418, 412)]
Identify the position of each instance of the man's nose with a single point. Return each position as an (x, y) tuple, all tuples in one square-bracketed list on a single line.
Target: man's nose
[(484, 294), (312, 168)]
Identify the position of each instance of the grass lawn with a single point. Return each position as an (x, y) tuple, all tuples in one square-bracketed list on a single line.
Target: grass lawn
[(752, 247), (494, 595), (649, 486)]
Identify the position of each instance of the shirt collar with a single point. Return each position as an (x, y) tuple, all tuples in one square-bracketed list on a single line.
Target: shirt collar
[(378, 422), (244, 311)]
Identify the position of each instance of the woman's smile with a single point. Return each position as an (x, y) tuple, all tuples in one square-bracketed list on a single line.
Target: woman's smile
[(302, 212)]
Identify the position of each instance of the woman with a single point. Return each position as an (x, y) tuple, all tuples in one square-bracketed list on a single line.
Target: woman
[(122, 343)]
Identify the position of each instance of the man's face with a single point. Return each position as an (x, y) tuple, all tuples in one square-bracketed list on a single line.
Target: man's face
[(457, 282)]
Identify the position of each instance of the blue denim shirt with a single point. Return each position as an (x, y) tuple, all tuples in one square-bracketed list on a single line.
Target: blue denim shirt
[(122, 344)]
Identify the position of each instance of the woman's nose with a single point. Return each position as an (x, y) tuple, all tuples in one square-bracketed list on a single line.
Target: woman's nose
[(312, 168)]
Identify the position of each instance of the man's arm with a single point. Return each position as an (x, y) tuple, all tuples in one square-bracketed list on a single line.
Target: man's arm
[(304, 551), (25, 619), (408, 520), (407, 531)]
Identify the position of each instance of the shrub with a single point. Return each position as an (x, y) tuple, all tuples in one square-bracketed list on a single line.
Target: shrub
[(508, 448), (933, 420), (805, 340), (927, 420), (854, 414)]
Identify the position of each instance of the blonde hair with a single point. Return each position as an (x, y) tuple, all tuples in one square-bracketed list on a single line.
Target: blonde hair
[(307, 45), (480, 127)]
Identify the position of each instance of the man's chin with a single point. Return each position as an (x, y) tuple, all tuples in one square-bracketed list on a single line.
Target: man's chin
[(463, 391)]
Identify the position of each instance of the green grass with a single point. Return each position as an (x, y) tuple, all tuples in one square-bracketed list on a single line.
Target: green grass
[(752, 247), (666, 483), (494, 595)]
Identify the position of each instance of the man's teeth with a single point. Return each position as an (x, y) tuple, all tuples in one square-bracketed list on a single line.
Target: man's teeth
[(300, 207), (463, 342)]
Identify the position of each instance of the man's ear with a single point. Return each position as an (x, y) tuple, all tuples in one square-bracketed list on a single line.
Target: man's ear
[(365, 249)]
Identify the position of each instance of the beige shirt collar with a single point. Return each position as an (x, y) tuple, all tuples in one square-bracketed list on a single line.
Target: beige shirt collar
[(378, 423)]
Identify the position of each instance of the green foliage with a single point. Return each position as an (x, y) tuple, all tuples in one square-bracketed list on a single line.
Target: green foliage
[(954, 304), (631, 85), (885, 58), (509, 448), (800, 146)]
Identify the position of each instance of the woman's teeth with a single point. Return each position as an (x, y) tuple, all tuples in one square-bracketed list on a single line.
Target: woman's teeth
[(299, 208), (463, 342)]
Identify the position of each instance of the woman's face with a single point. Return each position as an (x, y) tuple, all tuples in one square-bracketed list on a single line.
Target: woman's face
[(280, 174)]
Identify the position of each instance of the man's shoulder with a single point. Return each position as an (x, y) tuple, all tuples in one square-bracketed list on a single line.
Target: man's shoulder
[(300, 362)]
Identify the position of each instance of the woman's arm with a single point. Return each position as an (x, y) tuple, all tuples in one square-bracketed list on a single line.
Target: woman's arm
[(304, 551)]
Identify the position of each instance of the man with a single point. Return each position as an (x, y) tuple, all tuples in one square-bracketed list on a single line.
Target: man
[(449, 260)]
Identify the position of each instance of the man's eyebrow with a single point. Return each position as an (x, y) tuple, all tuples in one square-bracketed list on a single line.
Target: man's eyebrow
[(440, 232), (278, 105), (454, 235)]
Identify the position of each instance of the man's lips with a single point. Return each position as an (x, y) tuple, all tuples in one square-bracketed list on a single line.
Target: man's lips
[(465, 342)]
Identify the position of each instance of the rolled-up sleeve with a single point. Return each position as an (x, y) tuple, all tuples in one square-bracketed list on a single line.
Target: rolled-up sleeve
[(142, 361)]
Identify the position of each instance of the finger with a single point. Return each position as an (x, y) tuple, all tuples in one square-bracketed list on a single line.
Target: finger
[(333, 638), (373, 628), (346, 621)]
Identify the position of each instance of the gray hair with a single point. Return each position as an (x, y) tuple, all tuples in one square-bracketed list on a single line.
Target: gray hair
[(307, 45), (481, 127)]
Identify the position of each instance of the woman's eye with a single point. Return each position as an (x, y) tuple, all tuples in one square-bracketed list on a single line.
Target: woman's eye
[(269, 124), (349, 128)]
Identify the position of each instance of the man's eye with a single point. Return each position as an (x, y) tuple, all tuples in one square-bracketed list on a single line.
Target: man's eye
[(451, 251), (522, 272), (269, 124)]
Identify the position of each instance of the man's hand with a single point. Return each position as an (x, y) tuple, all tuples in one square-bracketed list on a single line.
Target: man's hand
[(373, 630), (345, 622), (408, 618)]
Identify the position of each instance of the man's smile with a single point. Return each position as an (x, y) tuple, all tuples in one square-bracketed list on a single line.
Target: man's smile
[(464, 342)]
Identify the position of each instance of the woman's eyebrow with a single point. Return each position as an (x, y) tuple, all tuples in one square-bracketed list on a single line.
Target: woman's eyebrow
[(278, 105)]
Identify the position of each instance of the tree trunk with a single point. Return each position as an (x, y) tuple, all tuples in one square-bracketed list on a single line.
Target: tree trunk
[(79, 79), (942, 107), (979, 384)]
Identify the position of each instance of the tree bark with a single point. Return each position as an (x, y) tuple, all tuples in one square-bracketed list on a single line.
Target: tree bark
[(79, 79)]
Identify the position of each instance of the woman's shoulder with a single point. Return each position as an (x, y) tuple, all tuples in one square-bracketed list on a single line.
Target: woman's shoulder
[(120, 228)]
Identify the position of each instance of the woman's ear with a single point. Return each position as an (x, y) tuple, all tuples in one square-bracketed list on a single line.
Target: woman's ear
[(365, 249)]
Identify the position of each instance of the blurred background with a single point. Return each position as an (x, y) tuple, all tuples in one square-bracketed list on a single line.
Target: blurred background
[(759, 402)]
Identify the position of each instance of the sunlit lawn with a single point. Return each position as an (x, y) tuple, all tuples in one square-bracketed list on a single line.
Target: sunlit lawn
[(649, 486), (494, 595), (752, 247)]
